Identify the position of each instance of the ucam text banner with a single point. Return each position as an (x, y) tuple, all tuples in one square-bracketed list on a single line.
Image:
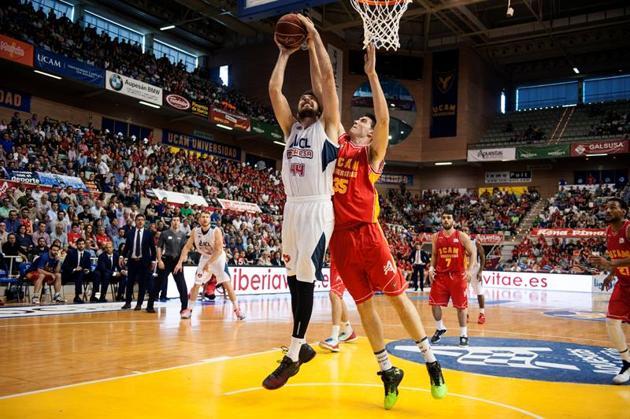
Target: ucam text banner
[(537, 281), (201, 145), (134, 88), (492, 154), (248, 280), (67, 67)]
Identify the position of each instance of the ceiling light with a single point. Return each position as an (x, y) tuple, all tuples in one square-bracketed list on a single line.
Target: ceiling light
[(151, 105), (576, 70), (279, 143), (443, 163), (47, 74), (165, 28), (225, 127)]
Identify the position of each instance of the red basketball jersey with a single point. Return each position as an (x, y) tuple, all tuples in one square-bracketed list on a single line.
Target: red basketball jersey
[(451, 253), (618, 245), (356, 199)]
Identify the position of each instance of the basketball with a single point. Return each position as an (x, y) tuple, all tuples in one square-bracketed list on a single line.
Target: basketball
[(290, 32)]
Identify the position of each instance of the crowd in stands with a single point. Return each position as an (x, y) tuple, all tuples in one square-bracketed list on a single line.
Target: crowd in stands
[(573, 207), (611, 123), (555, 255), (532, 134), (60, 35), (482, 214)]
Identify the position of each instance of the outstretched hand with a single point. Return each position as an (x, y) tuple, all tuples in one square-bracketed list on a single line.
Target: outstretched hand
[(284, 50), (308, 24), (370, 60)]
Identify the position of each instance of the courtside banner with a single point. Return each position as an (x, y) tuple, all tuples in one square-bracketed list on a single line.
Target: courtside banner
[(180, 198), (599, 147), (229, 119), (67, 67), (17, 51), (199, 109), (201, 145), (13, 99), (239, 206), (486, 239), (61, 181), (537, 281), (248, 280), (569, 233), (134, 88), (492, 154), (395, 179)]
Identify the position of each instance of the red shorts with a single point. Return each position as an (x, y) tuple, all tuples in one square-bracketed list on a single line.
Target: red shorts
[(449, 286), (337, 286), (365, 263), (32, 276), (619, 304)]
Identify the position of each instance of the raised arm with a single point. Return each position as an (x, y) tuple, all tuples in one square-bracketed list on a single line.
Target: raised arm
[(279, 102), (380, 136), (329, 99), (316, 72)]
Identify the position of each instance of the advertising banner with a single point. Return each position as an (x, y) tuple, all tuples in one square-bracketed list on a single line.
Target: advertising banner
[(444, 94), (61, 181), (177, 102), (10, 98), (485, 239), (199, 109), (537, 281), (599, 147), (180, 198), (239, 206), (201, 145), (134, 88), (17, 51), (544, 152), (73, 69), (492, 154), (395, 179), (230, 119), (508, 177), (250, 280), (23, 177), (270, 131), (569, 233)]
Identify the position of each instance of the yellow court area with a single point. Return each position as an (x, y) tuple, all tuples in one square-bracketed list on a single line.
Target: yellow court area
[(228, 384)]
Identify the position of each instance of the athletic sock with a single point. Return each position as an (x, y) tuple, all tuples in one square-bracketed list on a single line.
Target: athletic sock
[(463, 331), (335, 333), (347, 328), (439, 325), (383, 360), (294, 348), (482, 311), (425, 350), (625, 355)]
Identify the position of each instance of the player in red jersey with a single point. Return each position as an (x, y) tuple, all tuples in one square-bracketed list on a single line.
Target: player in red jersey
[(358, 244), (449, 277), (339, 313), (618, 248)]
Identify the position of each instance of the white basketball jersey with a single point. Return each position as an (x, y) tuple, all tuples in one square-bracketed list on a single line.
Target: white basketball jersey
[(204, 242), (308, 162)]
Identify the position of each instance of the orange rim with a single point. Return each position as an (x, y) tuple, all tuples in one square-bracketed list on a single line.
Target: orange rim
[(382, 2)]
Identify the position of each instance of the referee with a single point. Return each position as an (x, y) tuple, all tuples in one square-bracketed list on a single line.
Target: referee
[(169, 248)]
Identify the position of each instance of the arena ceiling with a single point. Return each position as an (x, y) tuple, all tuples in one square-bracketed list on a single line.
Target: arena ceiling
[(541, 36)]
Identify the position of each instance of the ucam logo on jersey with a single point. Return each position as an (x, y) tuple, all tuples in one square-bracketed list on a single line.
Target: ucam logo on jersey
[(521, 358)]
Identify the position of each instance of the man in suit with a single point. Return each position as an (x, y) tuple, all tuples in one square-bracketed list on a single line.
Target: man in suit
[(139, 249), (419, 259), (107, 270), (76, 266)]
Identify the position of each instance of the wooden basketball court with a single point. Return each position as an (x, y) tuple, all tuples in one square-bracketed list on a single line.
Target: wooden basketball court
[(134, 364)]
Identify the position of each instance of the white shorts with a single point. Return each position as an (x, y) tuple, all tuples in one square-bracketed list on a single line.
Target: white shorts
[(475, 283), (218, 268), (306, 230)]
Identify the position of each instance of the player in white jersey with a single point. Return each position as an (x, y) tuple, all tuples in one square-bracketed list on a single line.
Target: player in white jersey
[(208, 241), (476, 280), (307, 167)]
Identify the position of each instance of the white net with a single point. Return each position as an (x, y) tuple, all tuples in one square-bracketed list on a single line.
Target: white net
[(381, 21)]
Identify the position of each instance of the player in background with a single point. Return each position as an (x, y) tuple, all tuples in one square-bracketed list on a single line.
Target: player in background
[(339, 314), (359, 248), (618, 249), (476, 281), (451, 253), (209, 243), (307, 166)]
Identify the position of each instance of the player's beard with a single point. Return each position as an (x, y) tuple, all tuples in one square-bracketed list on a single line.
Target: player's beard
[(307, 113)]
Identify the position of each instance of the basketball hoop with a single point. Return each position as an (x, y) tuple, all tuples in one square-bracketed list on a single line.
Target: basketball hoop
[(381, 21)]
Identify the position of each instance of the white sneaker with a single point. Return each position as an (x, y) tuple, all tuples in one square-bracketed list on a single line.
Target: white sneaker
[(35, 300), (239, 314), (624, 375), (331, 344), (186, 313)]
